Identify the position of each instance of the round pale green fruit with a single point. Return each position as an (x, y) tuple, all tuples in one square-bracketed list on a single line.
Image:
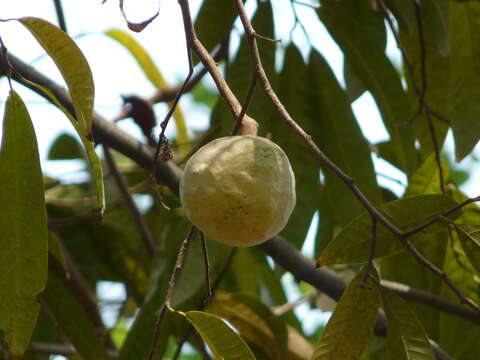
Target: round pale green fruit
[(238, 190)]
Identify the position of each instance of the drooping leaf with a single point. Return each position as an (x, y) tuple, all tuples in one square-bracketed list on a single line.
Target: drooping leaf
[(238, 75), (65, 147), (95, 165), (72, 65), (72, 318), (326, 223), (23, 224), (436, 14), (437, 74), (360, 31), (348, 330), (254, 320), (464, 89), (351, 153), (469, 236), (406, 337), (152, 72), (354, 86), (295, 95), (404, 13), (220, 338), (426, 180), (352, 244)]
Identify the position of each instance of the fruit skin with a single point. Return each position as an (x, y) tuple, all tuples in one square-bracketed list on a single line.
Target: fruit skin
[(238, 190)]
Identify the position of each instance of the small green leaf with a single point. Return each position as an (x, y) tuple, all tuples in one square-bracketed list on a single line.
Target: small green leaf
[(72, 319), (254, 320), (23, 224), (406, 338), (464, 82), (72, 65), (220, 338), (352, 244), (426, 180), (469, 236), (65, 147), (348, 330)]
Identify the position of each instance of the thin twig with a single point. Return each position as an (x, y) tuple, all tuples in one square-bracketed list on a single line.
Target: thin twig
[(142, 226), (60, 15), (371, 256), (206, 263), (171, 287), (164, 123)]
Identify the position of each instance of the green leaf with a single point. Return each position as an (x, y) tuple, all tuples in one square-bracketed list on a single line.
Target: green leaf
[(404, 13), (72, 318), (96, 166), (240, 69), (23, 224), (406, 337), (426, 180), (65, 147), (220, 338), (437, 75), (72, 65), (254, 320), (459, 337), (354, 86), (352, 154), (436, 17), (360, 32), (469, 236), (348, 330), (151, 71), (295, 95), (352, 244), (214, 22), (55, 249), (464, 90)]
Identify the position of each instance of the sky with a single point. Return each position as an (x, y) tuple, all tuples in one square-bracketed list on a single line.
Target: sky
[(115, 73)]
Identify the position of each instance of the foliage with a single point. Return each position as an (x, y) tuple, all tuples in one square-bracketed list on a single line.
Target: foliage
[(57, 245)]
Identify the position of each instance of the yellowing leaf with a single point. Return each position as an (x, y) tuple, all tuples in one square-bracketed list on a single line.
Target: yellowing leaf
[(406, 338), (220, 338), (72, 65), (348, 330), (23, 227)]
